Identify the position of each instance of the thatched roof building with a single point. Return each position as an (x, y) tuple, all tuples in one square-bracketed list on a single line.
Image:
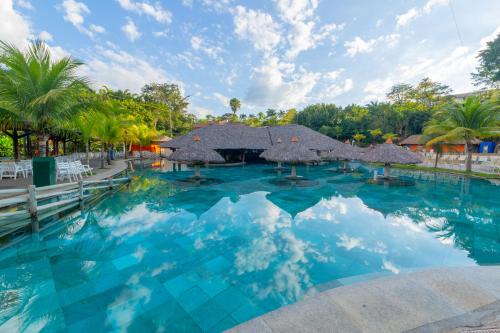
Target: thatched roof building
[(241, 137)]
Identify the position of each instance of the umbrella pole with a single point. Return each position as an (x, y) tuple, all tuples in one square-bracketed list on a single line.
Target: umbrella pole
[(279, 165), (197, 171), (294, 172), (387, 170)]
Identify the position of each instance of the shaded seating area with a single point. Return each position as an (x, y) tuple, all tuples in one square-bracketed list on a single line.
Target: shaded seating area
[(196, 154), (293, 153), (344, 153), (387, 154)]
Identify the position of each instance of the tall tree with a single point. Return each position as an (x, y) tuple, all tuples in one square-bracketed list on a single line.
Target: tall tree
[(488, 71), (169, 100), (465, 121), (235, 105), (35, 87)]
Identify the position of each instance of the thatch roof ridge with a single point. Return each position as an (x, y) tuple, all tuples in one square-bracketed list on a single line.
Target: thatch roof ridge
[(308, 137), (390, 153), (345, 152)]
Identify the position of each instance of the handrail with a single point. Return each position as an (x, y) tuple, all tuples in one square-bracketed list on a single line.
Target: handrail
[(32, 195)]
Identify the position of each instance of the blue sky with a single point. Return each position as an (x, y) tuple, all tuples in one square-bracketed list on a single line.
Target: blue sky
[(269, 54)]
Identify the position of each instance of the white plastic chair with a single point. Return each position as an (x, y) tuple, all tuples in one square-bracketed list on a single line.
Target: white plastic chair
[(11, 170)]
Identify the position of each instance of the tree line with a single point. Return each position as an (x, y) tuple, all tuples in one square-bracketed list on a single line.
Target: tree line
[(43, 100)]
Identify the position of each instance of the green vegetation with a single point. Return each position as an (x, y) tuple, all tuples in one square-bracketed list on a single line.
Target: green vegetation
[(406, 112), (235, 105), (465, 122), (44, 102), (488, 71)]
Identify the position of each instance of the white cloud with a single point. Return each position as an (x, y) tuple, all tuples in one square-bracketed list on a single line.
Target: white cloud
[(14, 28), (155, 11), (379, 23), (217, 5), (293, 11), (118, 69), (45, 36), (391, 40), (97, 29), (74, 13), (163, 33), (187, 3), (377, 89), (199, 111), (131, 30), (24, 4), (405, 19), (434, 3), (280, 85), (303, 34), (335, 90), (224, 100), (484, 41), (257, 27), (358, 45), (199, 44)]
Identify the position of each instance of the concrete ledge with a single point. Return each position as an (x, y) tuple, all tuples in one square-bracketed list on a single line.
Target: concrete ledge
[(436, 300)]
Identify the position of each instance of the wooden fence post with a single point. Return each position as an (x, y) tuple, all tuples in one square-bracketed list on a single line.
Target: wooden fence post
[(110, 183), (32, 208)]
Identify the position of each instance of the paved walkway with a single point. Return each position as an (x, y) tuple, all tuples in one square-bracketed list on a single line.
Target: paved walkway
[(116, 167), (437, 300)]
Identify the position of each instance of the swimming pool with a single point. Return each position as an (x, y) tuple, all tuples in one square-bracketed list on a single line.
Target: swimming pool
[(161, 255)]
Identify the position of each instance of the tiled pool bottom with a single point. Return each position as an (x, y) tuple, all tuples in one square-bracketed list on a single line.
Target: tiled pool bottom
[(69, 295), (159, 257)]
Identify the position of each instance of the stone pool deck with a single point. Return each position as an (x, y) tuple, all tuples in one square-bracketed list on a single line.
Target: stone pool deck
[(462, 299)]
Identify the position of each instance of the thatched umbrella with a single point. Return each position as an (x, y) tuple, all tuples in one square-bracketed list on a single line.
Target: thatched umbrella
[(293, 153), (388, 154), (197, 154), (344, 152)]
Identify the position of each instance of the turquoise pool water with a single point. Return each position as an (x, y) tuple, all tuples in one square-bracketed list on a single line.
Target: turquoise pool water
[(162, 256)]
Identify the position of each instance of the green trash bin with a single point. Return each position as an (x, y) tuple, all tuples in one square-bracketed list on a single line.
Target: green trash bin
[(44, 171)]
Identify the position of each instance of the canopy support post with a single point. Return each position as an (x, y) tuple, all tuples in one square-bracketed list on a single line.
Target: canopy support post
[(294, 171), (197, 171), (387, 170)]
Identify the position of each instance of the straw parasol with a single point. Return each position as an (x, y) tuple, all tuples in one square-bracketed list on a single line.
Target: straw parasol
[(293, 153), (388, 154), (197, 154), (344, 152)]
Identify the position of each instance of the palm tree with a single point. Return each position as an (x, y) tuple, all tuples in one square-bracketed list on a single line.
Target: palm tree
[(465, 122), (38, 89), (108, 131), (235, 105), (142, 134)]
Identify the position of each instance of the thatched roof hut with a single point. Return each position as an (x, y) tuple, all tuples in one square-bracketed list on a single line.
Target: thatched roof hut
[(196, 153), (308, 137), (344, 152), (291, 152), (389, 154)]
